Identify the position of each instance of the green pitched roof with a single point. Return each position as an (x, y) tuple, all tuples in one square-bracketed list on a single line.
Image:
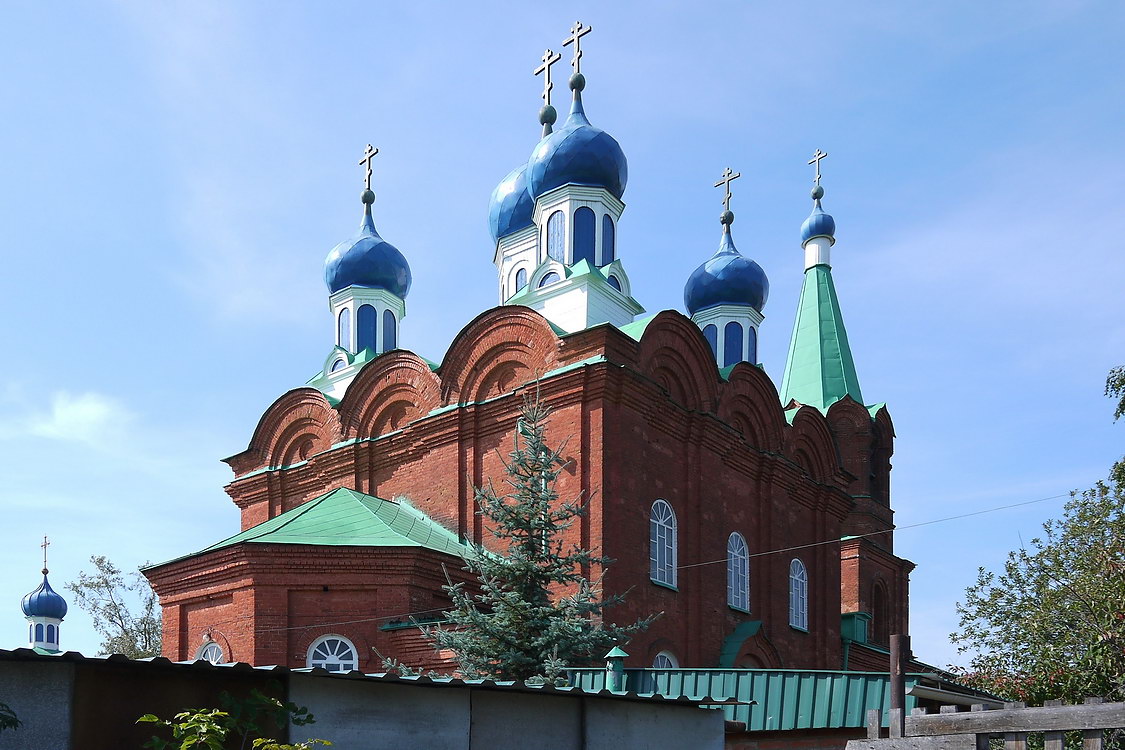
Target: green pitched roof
[(345, 517), (819, 370)]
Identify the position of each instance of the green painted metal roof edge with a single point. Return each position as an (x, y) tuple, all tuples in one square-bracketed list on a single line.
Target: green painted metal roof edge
[(636, 329), (819, 369)]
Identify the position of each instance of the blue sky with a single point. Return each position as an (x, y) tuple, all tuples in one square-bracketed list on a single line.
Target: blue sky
[(175, 173)]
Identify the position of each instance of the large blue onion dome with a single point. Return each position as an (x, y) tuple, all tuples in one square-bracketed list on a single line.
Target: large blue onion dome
[(44, 601), (727, 278), (819, 224), (511, 206), (577, 153), (367, 260)]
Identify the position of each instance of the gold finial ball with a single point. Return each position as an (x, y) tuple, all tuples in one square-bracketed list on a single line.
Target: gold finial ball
[(817, 193), (726, 217), (548, 115), (577, 82), (44, 571), (368, 197)]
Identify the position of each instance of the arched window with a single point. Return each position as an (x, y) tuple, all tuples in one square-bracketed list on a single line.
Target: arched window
[(798, 595), (880, 616), (732, 343), (711, 333), (752, 348), (665, 660), (390, 331), (365, 319), (521, 279), (338, 365), (613, 282), (210, 651), (549, 279), (50, 634), (662, 543), (738, 572), (556, 237), (608, 239), (38, 631), (585, 226), (334, 653), (344, 329)]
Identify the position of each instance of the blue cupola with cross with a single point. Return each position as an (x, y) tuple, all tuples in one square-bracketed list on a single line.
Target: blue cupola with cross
[(368, 280), (44, 610), (554, 219), (725, 295)]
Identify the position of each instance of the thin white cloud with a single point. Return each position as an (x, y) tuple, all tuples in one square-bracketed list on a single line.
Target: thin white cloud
[(91, 419)]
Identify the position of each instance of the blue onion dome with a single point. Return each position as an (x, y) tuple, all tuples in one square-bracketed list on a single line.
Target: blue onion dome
[(367, 260), (577, 153), (44, 601), (511, 206), (727, 278), (819, 224)]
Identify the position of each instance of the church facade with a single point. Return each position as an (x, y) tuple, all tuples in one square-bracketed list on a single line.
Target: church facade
[(757, 519)]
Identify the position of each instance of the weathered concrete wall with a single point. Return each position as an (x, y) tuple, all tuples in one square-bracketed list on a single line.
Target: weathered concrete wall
[(40, 694), (612, 725)]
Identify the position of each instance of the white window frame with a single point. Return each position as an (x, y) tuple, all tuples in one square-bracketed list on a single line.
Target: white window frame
[(324, 659), (665, 660), (662, 544), (798, 595), (738, 572), (211, 652)]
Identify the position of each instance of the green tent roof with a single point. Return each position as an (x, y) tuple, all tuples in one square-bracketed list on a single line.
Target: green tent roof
[(345, 517), (819, 370)]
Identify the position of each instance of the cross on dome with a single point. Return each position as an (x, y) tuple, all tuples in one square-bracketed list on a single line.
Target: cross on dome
[(816, 160), (549, 58), (368, 155), (46, 543), (577, 31), (729, 176)]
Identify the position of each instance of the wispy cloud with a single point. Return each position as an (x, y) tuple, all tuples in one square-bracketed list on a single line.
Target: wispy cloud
[(92, 419)]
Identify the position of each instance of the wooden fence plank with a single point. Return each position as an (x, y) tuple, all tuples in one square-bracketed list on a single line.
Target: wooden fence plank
[(875, 723), (1015, 741), (1092, 739), (1045, 719), (947, 742), (895, 722)]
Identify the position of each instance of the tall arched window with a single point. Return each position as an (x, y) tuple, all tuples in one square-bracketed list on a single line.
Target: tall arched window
[(548, 279), (711, 333), (798, 595), (609, 237), (365, 319), (738, 572), (344, 329), (39, 631), (585, 226), (556, 237), (662, 543), (390, 331), (521, 279), (752, 349), (732, 343), (880, 616), (50, 634), (334, 653), (665, 660)]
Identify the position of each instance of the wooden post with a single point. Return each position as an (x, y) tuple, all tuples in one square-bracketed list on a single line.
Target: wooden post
[(1052, 740), (900, 648), (1092, 738)]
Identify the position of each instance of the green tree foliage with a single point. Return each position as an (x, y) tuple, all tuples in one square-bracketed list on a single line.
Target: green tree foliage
[(1052, 624), (537, 611), (123, 607), (8, 718), (1115, 388), (239, 721)]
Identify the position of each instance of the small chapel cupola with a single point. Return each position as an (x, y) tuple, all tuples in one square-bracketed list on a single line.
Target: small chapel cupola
[(559, 253), (368, 280), (44, 610), (819, 370), (725, 295)]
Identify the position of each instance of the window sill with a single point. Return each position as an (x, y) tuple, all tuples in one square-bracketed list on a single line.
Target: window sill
[(739, 609), (663, 585), (798, 628)]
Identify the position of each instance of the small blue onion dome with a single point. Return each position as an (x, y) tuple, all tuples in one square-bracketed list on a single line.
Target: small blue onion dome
[(367, 260), (819, 224), (44, 601), (511, 206), (727, 278), (577, 153)]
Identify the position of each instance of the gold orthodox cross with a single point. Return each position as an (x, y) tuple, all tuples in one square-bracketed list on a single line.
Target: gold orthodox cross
[(577, 31), (549, 58), (368, 155), (816, 160), (728, 177)]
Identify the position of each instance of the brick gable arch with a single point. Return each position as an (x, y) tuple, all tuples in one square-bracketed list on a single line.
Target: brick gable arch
[(396, 388), (749, 402), (883, 448), (501, 348), (299, 422), (674, 354), (810, 445)]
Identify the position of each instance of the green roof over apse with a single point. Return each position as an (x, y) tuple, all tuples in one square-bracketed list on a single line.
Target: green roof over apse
[(819, 370), (345, 517)]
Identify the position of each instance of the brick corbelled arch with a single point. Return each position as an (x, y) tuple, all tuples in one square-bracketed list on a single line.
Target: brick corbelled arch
[(810, 445), (748, 402), (884, 448), (396, 388), (504, 347), (674, 353), (301, 419), (852, 412)]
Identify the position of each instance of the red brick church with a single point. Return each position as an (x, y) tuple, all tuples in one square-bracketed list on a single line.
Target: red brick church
[(758, 521)]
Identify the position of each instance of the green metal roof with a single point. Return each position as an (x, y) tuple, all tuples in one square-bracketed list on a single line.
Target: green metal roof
[(786, 698), (636, 329), (819, 370), (345, 517)]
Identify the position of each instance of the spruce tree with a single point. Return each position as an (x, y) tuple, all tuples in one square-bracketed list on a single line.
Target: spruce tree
[(536, 611)]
